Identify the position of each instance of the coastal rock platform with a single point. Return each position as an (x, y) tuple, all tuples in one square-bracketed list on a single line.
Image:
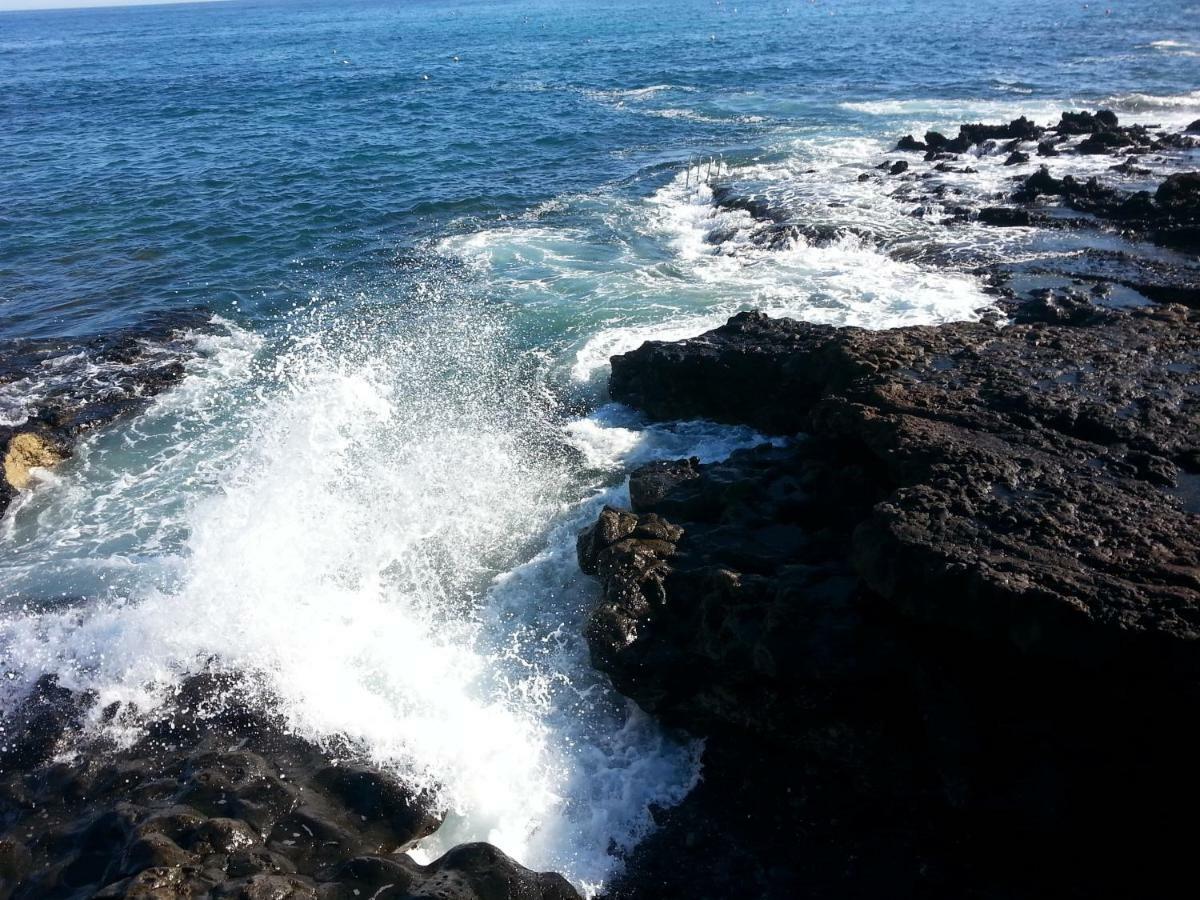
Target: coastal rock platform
[(943, 643)]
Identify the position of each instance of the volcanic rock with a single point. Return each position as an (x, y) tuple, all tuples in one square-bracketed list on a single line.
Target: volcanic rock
[(966, 600), (219, 799)]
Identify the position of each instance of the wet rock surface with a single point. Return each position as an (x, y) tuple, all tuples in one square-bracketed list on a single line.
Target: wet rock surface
[(52, 392), (218, 799), (946, 642), (1130, 229), (1166, 216)]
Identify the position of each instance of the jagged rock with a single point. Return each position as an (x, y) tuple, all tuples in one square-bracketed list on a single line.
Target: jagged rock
[(219, 799), (1170, 216), (1021, 129), (898, 168), (1128, 167), (1104, 142), (969, 135), (1040, 183), (1130, 390), (970, 596), (1053, 307), (31, 734), (724, 197), (1086, 122), (1180, 193), (910, 143), (752, 355)]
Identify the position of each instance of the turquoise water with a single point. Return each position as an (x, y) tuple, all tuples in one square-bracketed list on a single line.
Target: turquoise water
[(240, 155), (368, 485)]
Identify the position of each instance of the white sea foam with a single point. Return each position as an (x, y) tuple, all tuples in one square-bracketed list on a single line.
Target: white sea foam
[(619, 95), (351, 499), (1168, 109), (1175, 48), (918, 113), (617, 438), (659, 276), (950, 109)]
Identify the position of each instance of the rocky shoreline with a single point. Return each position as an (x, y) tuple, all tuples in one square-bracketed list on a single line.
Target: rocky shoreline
[(53, 392), (942, 641), (218, 799), (946, 641), (967, 603)]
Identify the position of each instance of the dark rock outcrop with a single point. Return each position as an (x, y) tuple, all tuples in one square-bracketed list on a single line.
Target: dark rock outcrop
[(955, 626), (1005, 217), (1100, 418), (972, 134), (1170, 216), (72, 388), (218, 799), (1086, 122)]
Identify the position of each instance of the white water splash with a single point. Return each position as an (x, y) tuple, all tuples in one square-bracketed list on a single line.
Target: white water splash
[(352, 498)]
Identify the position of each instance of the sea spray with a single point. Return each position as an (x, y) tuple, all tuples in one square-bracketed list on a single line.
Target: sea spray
[(374, 476)]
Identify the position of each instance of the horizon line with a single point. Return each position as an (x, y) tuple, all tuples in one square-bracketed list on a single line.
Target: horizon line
[(67, 5)]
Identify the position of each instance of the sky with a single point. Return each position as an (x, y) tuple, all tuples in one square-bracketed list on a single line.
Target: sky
[(70, 4)]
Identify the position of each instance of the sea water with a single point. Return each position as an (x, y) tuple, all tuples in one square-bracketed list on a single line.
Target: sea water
[(418, 231)]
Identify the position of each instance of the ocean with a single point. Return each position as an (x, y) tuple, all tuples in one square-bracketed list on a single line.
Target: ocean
[(407, 237)]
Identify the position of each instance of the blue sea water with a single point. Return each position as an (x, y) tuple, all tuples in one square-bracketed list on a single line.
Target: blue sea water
[(420, 229)]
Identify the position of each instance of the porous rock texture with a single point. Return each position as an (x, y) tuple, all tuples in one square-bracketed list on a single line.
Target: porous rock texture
[(219, 799), (945, 642)]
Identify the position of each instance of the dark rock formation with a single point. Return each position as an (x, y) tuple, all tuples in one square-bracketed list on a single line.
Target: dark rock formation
[(1086, 122), (1104, 142), (724, 197), (944, 644), (910, 143), (970, 135), (1170, 216), (1005, 217), (218, 799), (1150, 277), (71, 388)]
